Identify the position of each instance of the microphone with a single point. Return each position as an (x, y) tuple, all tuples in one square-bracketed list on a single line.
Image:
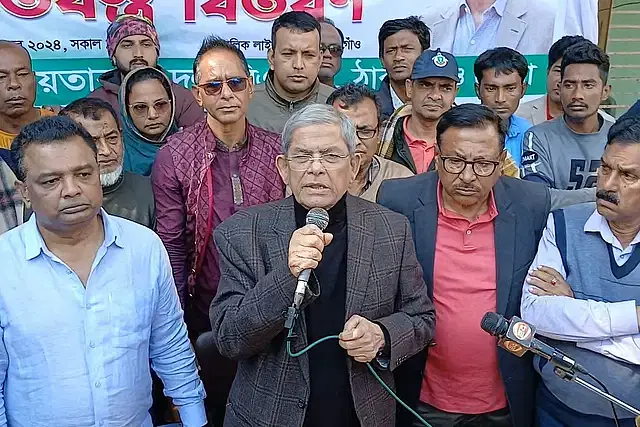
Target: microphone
[(517, 337), (320, 218)]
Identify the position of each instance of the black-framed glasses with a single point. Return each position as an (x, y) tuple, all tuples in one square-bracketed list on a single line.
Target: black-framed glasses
[(455, 165), (140, 109), (302, 162), (364, 134), (334, 49), (214, 87)]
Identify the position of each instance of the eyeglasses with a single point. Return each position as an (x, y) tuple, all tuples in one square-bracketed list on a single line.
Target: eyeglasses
[(334, 49), (214, 87), (141, 109), (364, 134), (456, 165), (303, 162)]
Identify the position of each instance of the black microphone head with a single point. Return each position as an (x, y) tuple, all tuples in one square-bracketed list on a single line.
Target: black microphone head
[(495, 324), (318, 217)]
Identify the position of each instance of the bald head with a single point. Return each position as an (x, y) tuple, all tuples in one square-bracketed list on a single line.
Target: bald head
[(15, 47), (17, 81)]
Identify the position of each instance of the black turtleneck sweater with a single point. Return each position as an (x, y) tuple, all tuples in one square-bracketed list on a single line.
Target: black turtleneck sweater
[(330, 401)]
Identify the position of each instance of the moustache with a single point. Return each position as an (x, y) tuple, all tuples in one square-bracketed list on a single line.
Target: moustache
[(608, 196), (139, 61), (466, 187)]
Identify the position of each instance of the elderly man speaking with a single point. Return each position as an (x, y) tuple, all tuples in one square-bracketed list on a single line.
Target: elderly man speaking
[(367, 287)]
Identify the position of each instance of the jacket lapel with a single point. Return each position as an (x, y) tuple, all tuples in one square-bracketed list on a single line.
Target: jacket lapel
[(284, 224), (505, 243), (425, 226), (443, 30), (512, 27), (360, 241)]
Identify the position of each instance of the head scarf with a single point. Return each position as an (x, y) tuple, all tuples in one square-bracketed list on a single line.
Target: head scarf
[(130, 25), (140, 151)]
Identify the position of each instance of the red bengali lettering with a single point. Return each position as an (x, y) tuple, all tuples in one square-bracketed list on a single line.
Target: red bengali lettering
[(224, 8), (189, 10), (27, 8), (264, 10), (140, 7), (356, 15), (135, 7), (313, 7), (86, 8), (112, 7)]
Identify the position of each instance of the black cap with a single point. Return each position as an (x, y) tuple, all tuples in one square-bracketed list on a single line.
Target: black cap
[(435, 63)]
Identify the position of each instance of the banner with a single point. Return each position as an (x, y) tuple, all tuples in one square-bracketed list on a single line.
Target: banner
[(66, 37)]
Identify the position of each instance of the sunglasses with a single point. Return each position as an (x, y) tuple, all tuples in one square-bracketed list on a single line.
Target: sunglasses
[(214, 87), (141, 109), (334, 49)]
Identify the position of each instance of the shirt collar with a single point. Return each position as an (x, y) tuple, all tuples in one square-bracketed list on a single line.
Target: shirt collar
[(599, 224), (517, 126), (488, 216), (410, 138), (499, 6), (34, 243)]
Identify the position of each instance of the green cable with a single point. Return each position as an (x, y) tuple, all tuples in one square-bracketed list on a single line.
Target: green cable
[(373, 371)]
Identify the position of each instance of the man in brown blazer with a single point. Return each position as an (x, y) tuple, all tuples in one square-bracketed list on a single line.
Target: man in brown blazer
[(367, 287)]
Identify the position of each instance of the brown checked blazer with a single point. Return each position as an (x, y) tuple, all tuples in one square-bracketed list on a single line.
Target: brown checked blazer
[(384, 284)]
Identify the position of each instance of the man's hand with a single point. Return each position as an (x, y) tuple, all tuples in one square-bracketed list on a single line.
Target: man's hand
[(546, 281), (362, 339), (305, 248)]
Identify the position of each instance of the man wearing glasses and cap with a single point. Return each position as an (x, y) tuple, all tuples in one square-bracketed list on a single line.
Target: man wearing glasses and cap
[(202, 176), (409, 136), (476, 233)]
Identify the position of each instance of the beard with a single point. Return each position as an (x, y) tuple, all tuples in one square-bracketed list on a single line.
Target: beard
[(109, 178)]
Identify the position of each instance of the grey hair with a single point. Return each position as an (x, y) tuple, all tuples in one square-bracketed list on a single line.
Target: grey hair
[(319, 114)]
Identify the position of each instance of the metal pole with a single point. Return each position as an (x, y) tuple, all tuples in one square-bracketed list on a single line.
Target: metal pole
[(571, 376), (604, 395)]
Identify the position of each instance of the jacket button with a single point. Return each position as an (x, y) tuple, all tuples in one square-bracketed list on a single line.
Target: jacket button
[(302, 404)]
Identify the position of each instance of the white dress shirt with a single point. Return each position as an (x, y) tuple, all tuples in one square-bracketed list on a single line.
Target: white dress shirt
[(610, 329)]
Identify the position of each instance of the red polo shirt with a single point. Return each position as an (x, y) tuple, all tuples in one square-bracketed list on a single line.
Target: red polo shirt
[(462, 368), (422, 151)]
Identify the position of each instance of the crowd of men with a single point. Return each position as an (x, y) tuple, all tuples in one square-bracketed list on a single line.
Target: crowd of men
[(150, 253)]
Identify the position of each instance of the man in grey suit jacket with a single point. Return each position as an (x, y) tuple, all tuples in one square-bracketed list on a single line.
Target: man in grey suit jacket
[(476, 233), (524, 25), (367, 287)]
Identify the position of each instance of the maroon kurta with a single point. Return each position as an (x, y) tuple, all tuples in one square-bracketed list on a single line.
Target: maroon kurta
[(181, 182)]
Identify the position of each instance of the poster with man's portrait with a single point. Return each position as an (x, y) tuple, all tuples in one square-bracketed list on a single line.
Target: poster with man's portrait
[(469, 27)]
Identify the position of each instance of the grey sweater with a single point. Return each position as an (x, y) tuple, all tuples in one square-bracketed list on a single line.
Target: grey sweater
[(602, 280), (564, 160)]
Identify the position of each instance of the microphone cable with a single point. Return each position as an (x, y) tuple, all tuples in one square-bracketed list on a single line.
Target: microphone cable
[(606, 390), (371, 369)]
